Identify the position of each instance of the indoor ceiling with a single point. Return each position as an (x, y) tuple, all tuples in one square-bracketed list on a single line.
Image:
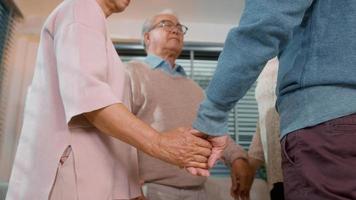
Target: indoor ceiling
[(196, 11)]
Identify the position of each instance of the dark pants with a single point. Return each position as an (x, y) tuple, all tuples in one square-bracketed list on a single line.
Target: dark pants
[(319, 162), (277, 192)]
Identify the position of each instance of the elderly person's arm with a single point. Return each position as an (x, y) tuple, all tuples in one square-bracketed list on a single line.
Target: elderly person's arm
[(241, 174), (179, 147), (244, 56)]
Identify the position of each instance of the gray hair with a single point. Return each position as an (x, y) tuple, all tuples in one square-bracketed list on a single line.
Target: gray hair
[(149, 22)]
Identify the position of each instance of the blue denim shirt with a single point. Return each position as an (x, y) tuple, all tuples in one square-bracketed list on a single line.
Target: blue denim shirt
[(158, 63), (315, 41)]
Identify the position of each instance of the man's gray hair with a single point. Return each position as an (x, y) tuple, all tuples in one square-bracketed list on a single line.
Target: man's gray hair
[(149, 22)]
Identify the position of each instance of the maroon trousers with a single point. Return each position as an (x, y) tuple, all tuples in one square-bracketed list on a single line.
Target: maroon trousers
[(319, 162)]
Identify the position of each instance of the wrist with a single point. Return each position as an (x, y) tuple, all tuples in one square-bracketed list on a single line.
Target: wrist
[(154, 143), (238, 156), (239, 160), (255, 163)]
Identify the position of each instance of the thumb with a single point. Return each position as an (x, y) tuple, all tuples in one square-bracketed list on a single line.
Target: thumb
[(198, 171), (203, 172), (215, 155)]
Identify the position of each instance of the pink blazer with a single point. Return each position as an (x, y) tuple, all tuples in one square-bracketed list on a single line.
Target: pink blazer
[(77, 71)]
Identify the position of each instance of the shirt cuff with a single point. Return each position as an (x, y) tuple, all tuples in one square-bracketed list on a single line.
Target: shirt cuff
[(212, 119), (236, 155), (232, 152)]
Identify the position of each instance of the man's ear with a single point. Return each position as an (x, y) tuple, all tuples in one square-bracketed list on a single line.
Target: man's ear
[(146, 39)]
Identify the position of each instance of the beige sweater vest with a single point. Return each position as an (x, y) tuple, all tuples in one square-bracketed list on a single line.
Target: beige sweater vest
[(166, 102)]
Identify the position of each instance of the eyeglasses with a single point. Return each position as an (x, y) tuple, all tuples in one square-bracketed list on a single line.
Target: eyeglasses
[(169, 26)]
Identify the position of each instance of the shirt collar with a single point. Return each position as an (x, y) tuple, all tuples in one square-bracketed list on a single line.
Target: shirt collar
[(158, 63)]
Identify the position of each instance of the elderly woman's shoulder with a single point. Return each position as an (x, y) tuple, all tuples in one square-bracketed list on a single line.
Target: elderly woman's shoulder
[(82, 12)]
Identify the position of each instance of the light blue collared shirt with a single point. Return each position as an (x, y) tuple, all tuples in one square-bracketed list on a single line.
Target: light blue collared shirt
[(156, 62)]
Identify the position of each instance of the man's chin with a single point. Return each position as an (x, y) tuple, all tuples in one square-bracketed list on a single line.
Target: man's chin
[(175, 45)]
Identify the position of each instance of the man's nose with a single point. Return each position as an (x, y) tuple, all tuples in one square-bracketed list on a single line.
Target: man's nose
[(175, 30)]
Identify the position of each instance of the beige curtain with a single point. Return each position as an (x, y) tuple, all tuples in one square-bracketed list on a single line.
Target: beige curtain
[(19, 71)]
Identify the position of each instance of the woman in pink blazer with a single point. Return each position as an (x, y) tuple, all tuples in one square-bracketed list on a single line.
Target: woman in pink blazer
[(77, 130)]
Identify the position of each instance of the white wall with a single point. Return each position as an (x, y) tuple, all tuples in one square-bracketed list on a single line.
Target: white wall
[(208, 20), (127, 29), (198, 32)]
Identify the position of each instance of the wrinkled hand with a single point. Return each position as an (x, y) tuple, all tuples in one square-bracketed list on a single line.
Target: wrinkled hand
[(219, 143), (218, 146), (242, 178), (198, 171), (181, 148)]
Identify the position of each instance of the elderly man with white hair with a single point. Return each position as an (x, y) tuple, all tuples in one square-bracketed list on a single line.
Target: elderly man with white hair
[(163, 96)]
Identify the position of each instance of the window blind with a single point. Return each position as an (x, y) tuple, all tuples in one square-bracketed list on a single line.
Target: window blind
[(4, 24), (8, 17)]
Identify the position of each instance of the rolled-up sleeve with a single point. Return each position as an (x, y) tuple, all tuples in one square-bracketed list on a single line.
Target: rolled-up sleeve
[(82, 68), (232, 152), (265, 29)]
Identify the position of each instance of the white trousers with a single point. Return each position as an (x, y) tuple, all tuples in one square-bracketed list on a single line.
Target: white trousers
[(162, 192)]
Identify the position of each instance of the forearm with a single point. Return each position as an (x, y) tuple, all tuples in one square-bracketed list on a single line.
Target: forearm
[(264, 31), (177, 146), (116, 121)]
